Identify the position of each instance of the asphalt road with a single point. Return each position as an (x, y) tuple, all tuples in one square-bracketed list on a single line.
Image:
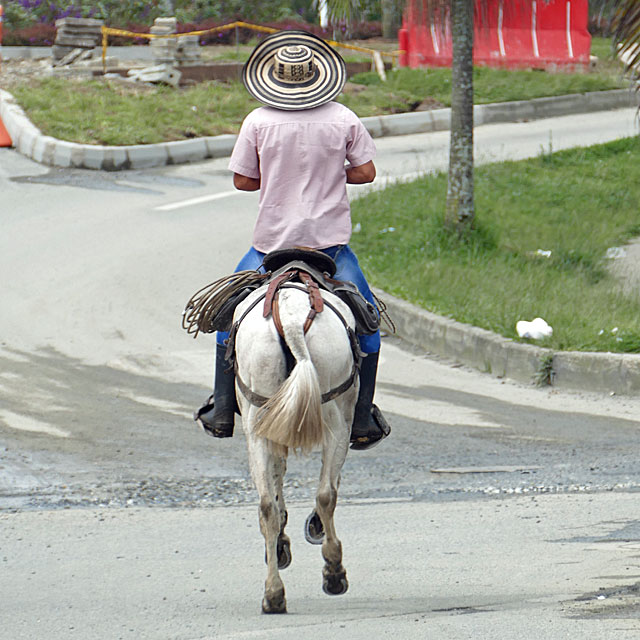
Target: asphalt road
[(103, 473)]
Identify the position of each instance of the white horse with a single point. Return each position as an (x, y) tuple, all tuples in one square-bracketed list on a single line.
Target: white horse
[(282, 412)]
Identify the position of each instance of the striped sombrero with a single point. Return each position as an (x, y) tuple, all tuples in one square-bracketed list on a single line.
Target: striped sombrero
[(294, 70)]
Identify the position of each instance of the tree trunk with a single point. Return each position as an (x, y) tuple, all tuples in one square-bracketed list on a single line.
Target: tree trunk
[(391, 18), (460, 208)]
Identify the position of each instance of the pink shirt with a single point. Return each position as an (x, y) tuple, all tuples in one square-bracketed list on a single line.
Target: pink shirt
[(300, 157)]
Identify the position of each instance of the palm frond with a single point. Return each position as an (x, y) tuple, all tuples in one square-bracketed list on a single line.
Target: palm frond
[(343, 10), (626, 33)]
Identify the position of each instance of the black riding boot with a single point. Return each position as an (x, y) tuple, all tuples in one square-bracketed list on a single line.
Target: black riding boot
[(216, 415), (369, 425)]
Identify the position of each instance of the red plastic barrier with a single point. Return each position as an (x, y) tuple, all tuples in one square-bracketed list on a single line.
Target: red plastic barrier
[(508, 33)]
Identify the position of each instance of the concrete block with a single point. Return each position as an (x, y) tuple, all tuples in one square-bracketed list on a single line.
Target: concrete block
[(40, 148), (58, 52), (75, 42), (143, 156), (93, 156), (16, 122), (441, 119), (558, 106), (220, 146), (114, 159), (162, 73), (187, 151), (407, 123), (25, 142), (630, 373), (373, 125), (620, 99), (75, 55), (49, 150), (63, 153), (507, 112), (166, 22), (79, 22), (104, 158)]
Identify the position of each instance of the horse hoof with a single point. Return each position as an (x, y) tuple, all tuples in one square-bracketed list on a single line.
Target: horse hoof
[(277, 605), (335, 584), (313, 529), (284, 553)]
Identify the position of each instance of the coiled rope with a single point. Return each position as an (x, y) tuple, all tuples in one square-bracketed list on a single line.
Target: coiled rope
[(205, 303)]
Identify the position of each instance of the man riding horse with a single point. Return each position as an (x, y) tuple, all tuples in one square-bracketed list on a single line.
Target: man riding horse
[(293, 150)]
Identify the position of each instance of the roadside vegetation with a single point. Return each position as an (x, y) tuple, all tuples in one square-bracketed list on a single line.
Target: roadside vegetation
[(538, 249)]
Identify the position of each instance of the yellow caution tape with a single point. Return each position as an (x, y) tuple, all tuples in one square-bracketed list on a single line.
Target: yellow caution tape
[(109, 31)]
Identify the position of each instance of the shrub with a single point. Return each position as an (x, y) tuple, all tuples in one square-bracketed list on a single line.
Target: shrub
[(37, 35), (31, 22)]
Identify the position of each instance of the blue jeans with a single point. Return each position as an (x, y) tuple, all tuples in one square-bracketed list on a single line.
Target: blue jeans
[(348, 269)]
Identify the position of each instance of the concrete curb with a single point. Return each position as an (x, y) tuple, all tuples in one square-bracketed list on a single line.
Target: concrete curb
[(491, 353), (30, 141)]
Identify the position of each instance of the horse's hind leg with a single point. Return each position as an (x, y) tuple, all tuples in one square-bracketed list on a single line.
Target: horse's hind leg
[(265, 470), (284, 544), (334, 575)]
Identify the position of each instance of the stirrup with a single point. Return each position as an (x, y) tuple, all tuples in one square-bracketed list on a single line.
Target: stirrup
[(217, 431), (378, 430)]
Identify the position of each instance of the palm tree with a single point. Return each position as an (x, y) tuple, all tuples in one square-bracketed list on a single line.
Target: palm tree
[(460, 203), (460, 211), (626, 33)]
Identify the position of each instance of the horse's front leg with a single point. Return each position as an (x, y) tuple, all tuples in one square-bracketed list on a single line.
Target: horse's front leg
[(264, 471), (334, 575)]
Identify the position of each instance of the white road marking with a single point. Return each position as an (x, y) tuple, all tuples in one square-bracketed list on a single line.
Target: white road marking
[(24, 423), (193, 201), (380, 183)]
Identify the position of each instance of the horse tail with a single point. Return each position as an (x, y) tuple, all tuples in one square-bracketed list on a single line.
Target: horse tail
[(292, 417)]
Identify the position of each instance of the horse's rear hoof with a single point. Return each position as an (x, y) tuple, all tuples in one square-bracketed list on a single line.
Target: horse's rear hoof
[(313, 529), (335, 584), (277, 605), (284, 553)]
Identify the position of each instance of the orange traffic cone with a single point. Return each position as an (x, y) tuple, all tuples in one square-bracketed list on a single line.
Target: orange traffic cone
[(5, 138)]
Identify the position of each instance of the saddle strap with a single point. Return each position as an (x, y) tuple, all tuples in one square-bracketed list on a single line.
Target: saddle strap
[(271, 305), (257, 400), (272, 289)]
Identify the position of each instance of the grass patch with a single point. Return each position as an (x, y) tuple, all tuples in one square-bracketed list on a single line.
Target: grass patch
[(575, 203), (115, 113), (406, 88)]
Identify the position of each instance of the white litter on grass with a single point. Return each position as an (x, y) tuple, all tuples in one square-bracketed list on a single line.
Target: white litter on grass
[(357, 227), (388, 230), (535, 330), (544, 252), (615, 253)]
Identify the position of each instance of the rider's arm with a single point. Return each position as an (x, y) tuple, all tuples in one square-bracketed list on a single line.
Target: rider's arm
[(362, 174), (244, 183)]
